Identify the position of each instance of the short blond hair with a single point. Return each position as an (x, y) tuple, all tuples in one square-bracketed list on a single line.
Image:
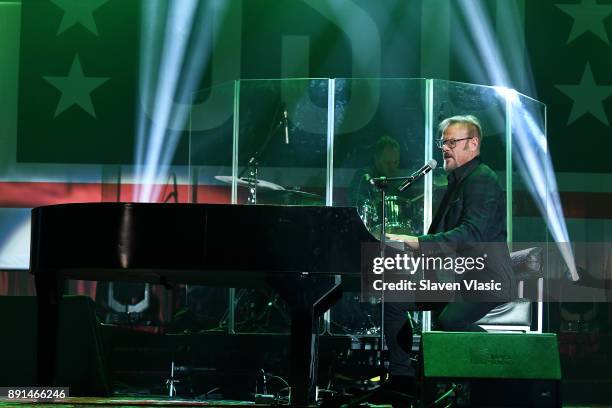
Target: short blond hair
[(472, 123)]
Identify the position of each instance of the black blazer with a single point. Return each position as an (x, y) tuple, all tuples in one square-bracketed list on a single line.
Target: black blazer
[(471, 221)]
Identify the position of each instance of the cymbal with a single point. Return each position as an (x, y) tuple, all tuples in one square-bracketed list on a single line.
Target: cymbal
[(246, 182)]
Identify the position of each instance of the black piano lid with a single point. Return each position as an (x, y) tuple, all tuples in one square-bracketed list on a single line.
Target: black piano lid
[(181, 242)]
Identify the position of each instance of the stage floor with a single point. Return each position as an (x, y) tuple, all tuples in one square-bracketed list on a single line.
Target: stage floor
[(116, 402), (82, 402)]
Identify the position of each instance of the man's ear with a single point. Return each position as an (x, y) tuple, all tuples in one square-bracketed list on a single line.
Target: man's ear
[(474, 143)]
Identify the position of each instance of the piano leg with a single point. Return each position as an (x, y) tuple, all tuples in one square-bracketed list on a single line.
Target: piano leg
[(49, 291), (303, 357), (308, 296)]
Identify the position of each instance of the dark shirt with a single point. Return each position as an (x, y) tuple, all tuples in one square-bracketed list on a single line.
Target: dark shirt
[(453, 178), (471, 221)]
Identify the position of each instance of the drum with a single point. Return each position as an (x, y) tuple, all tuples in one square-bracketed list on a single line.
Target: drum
[(369, 215), (398, 214)]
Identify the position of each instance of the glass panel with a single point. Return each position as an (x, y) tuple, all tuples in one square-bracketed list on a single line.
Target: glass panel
[(488, 105), (530, 197), (378, 131), (282, 141), (210, 158), (379, 135), (382, 127), (210, 147), (529, 170), (281, 159)]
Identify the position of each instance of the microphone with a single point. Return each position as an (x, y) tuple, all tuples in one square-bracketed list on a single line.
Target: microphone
[(417, 175), (367, 177), (286, 126)]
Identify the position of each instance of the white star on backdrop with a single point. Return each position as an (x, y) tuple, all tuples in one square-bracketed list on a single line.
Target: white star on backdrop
[(588, 16), (587, 97), (78, 12), (75, 88)]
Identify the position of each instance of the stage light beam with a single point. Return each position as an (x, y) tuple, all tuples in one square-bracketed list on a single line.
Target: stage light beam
[(168, 76), (529, 146)]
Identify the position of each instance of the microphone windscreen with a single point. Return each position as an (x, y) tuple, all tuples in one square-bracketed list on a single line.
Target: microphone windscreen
[(432, 163)]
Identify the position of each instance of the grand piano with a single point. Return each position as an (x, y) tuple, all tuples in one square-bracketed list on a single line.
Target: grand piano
[(304, 252)]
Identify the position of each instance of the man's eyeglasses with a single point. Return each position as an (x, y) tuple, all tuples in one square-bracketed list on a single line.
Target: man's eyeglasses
[(451, 143)]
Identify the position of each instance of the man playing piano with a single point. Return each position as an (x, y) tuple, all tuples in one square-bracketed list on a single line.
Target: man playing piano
[(473, 210)]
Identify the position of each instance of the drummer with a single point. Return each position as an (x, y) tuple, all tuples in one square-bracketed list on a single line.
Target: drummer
[(385, 162), (386, 159)]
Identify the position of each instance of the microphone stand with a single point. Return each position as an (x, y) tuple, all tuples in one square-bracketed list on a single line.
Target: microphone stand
[(174, 193), (382, 184), (253, 163)]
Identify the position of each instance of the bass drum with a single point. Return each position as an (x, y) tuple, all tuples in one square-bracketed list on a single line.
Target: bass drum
[(398, 215)]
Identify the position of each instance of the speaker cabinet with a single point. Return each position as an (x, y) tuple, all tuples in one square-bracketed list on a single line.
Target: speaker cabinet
[(491, 369), (81, 361)]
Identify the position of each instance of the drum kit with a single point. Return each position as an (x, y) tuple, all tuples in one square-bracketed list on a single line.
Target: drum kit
[(399, 213), (403, 215)]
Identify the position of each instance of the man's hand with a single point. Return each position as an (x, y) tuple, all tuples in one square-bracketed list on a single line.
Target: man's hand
[(411, 241)]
